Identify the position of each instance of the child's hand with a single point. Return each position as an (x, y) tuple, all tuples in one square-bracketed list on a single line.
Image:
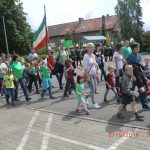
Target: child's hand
[(110, 87)]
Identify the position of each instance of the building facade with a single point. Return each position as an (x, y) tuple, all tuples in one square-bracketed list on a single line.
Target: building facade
[(82, 27)]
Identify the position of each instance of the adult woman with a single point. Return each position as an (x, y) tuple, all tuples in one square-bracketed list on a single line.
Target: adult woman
[(17, 71), (60, 62), (134, 59), (119, 60), (90, 66)]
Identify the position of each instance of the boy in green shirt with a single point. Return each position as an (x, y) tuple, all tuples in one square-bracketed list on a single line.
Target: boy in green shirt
[(46, 81), (33, 78)]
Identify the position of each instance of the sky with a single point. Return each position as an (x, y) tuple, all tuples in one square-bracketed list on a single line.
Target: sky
[(63, 11)]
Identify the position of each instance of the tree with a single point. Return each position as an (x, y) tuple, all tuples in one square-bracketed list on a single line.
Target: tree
[(19, 33), (130, 15), (145, 45)]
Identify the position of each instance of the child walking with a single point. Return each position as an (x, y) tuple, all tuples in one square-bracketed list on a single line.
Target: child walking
[(27, 72), (69, 75), (110, 84), (8, 84), (128, 94), (80, 94), (46, 81), (33, 78)]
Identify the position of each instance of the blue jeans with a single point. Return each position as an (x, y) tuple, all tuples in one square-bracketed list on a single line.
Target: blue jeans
[(23, 86), (144, 100), (1, 80), (10, 93), (49, 91), (107, 91), (93, 87)]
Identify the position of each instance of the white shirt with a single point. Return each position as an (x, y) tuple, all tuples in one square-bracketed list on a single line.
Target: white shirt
[(32, 56), (120, 59), (3, 70), (90, 64)]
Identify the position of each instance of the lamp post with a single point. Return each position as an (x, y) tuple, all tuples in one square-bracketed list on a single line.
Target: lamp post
[(5, 34)]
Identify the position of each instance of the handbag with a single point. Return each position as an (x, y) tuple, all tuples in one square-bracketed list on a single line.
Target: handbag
[(86, 77)]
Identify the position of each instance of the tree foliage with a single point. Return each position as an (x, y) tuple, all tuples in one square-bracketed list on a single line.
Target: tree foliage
[(145, 41), (19, 33), (130, 15)]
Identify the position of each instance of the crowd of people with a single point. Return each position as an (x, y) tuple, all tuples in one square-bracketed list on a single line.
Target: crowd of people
[(123, 78)]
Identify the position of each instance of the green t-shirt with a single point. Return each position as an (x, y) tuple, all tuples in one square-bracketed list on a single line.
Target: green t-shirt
[(80, 90), (33, 71), (17, 69), (45, 72), (62, 57), (126, 51)]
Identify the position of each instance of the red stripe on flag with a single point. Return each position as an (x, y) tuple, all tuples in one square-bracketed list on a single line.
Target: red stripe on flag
[(42, 43)]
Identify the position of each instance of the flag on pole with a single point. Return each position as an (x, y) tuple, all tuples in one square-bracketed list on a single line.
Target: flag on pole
[(41, 37)]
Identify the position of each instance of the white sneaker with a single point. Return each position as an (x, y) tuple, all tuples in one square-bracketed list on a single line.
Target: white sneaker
[(96, 106)]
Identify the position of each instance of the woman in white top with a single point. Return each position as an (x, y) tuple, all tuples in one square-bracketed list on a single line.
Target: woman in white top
[(90, 66), (119, 62)]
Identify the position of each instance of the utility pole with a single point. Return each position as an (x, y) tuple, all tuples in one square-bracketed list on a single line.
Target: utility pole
[(5, 35)]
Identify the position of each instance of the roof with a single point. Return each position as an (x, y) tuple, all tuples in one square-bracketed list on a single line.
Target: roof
[(84, 26)]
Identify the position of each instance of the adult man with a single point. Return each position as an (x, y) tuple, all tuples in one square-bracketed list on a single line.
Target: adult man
[(17, 71), (33, 55), (78, 54), (73, 56), (60, 62), (126, 50)]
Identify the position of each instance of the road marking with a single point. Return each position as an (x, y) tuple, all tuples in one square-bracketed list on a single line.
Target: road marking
[(44, 145), (27, 132), (87, 118), (119, 142), (93, 147)]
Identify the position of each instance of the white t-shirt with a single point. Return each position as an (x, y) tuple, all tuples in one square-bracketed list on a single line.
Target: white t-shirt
[(3, 70), (120, 59), (88, 61)]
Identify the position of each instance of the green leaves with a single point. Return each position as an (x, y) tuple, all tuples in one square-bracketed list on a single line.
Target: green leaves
[(19, 33), (130, 14)]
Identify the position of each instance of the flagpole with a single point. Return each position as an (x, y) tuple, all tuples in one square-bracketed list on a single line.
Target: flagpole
[(46, 28), (5, 35)]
